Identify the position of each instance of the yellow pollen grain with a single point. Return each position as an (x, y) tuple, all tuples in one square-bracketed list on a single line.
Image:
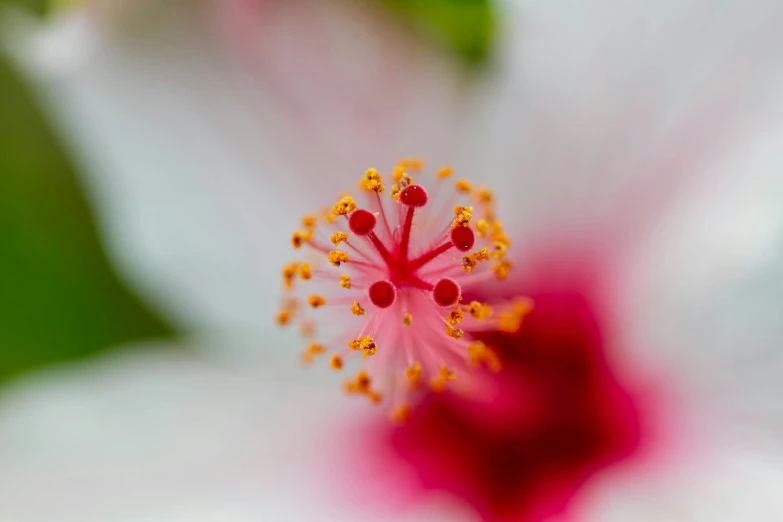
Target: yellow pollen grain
[(289, 274), (484, 195), (338, 237), (464, 214), (284, 317), (356, 308), (316, 301), (414, 372), (307, 329), (336, 362), (501, 270), (481, 255), (468, 263), (300, 237), (510, 320), (305, 271), (445, 172), (482, 227), (372, 181), (414, 164), (336, 257), (499, 250), (395, 192), (345, 281), (479, 311), (401, 414), (345, 206), (455, 333), (455, 316), (309, 221), (438, 383), (407, 320), (463, 186), (479, 354), (327, 216), (369, 347)]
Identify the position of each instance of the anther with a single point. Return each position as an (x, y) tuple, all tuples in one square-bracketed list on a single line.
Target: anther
[(316, 301), (356, 309)]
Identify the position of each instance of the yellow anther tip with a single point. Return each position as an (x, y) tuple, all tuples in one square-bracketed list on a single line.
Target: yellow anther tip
[(316, 301), (356, 309)]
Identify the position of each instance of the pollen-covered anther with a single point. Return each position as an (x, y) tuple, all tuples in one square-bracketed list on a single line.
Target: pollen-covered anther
[(469, 262), (438, 383), (289, 274), (301, 237), (336, 362), (395, 192), (401, 177), (345, 206), (482, 227), (401, 414), (445, 172), (510, 319), (360, 384), (464, 215), (284, 317), (345, 281), (455, 316), (309, 221), (479, 354), (372, 181), (312, 350), (337, 257), (306, 329), (501, 270), (338, 237), (499, 250), (479, 311), (463, 186), (356, 308), (305, 271), (484, 195), (362, 222), (454, 333), (414, 164), (407, 320), (365, 344), (316, 301), (413, 373)]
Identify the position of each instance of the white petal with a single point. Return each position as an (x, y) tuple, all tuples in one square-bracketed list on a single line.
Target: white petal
[(175, 433), (200, 169)]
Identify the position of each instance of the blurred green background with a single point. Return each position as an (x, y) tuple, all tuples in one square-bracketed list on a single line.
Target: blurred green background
[(60, 298)]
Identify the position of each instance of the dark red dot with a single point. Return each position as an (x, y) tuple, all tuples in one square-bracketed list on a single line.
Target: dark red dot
[(463, 238), (446, 292), (362, 222), (382, 294), (413, 196)]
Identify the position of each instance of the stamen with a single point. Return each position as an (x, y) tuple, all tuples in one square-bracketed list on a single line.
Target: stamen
[(305, 271), (336, 257), (336, 362), (309, 221), (357, 309), (445, 172), (455, 316), (407, 320), (345, 206), (463, 186), (338, 237), (316, 301), (372, 181), (345, 281)]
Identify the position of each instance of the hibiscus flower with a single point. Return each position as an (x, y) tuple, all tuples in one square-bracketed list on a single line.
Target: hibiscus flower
[(634, 155)]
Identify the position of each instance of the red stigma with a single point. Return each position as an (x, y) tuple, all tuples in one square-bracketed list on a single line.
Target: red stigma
[(382, 294), (446, 292), (362, 222), (413, 196), (463, 238)]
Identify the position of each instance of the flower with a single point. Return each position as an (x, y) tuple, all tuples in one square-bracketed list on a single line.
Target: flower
[(590, 113), (403, 284)]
